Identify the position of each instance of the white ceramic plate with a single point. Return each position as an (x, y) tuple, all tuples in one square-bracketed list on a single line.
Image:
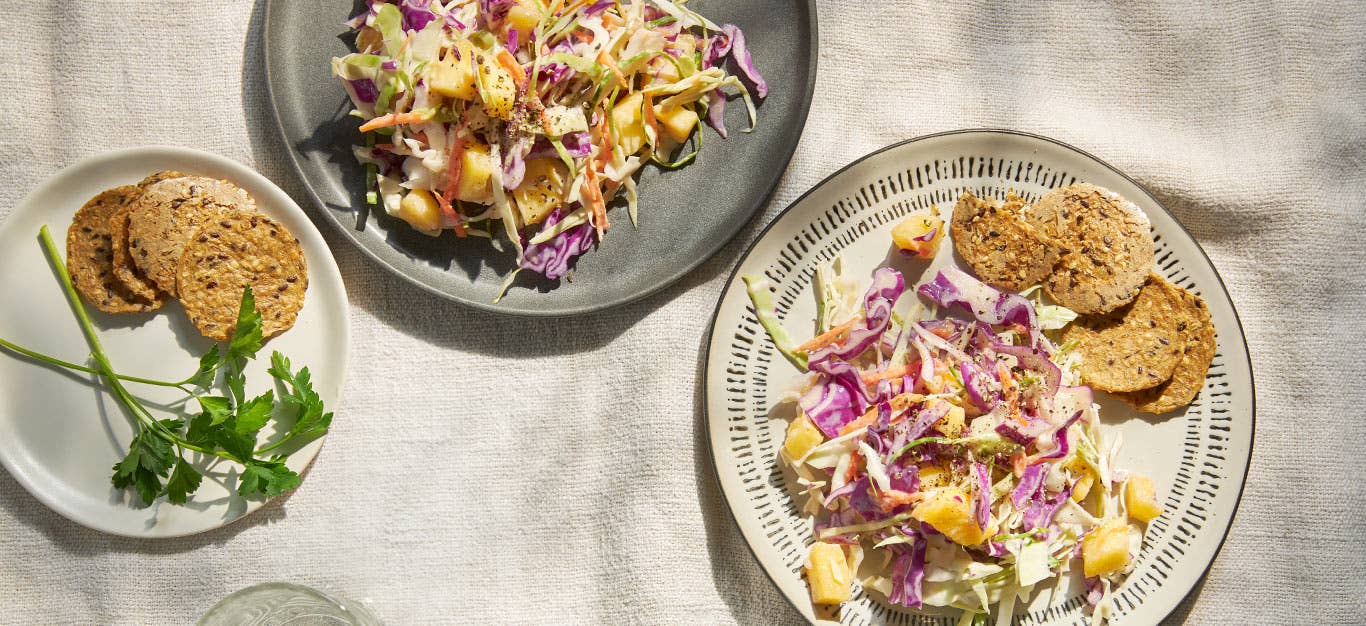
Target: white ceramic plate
[(60, 433), (1198, 458)]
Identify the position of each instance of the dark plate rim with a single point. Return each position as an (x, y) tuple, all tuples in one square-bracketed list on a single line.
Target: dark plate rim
[(721, 297), (352, 236)]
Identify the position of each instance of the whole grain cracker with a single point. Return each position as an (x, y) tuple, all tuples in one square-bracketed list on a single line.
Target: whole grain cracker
[(90, 259), (1109, 250), (1137, 346), (1000, 247), (169, 212), (1189, 376), (125, 271), (231, 253)]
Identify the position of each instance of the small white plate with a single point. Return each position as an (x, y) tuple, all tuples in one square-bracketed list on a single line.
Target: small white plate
[(60, 432), (1197, 458)]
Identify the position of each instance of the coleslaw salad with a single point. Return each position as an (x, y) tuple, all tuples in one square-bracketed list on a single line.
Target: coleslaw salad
[(521, 121), (954, 460)]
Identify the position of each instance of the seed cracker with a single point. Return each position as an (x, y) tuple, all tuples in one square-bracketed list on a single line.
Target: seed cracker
[(231, 253)]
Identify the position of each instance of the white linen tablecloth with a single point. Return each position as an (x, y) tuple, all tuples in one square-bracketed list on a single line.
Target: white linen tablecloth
[(577, 489)]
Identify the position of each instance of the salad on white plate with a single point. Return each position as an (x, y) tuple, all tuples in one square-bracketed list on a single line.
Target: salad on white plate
[(954, 460)]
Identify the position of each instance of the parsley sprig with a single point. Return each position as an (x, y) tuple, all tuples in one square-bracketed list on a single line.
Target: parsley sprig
[(162, 457)]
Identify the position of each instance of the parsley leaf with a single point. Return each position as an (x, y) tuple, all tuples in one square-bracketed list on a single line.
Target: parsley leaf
[(268, 478), (241, 446), (309, 420), (246, 338), (184, 481), (218, 409), (149, 458), (254, 413), (208, 366)]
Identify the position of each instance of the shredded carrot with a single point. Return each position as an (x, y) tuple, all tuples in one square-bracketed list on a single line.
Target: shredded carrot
[(648, 113), (899, 403), (870, 378), (855, 465), (605, 136), (943, 331), (556, 6), (455, 165), (582, 36), (864, 420), (594, 198), (1017, 464), (903, 401), (893, 498), (607, 62), (826, 338), (449, 214), (611, 20), (1010, 392), (393, 119), (514, 68)]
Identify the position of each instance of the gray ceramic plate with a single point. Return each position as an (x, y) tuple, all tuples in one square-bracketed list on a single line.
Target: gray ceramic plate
[(685, 216)]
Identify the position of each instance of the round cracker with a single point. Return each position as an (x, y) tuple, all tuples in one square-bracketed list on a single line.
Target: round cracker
[(169, 212), (1109, 250), (228, 255), (156, 177), (122, 264), (1189, 377), (1001, 248), (1136, 347), (125, 270), (89, 255)]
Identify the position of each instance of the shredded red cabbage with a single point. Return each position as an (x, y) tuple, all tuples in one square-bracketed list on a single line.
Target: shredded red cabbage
[(552, 258), (1041, 510), (908, 574), (416, 14), (716, 112), (598, 7), (983, 493), (1030, 482), (741, 55), (952, 287), (363, 90), (887, 286), (839, 398)]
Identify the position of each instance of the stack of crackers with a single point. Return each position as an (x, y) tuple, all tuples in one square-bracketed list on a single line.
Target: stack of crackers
[(199, 239), (1145, 340)]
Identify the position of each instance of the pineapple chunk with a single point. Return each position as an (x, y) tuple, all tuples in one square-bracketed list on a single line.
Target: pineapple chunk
[(630, 126), (1083, 487), (496, 86), (951, 425), (1140, 498), (932, 476), (523, 17), (476, 174), (950, 511), (677, 122), (827, 572), (802, 436), (421, 211), (544, 188), (1105, 549), (453, 78), (907, 234)]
